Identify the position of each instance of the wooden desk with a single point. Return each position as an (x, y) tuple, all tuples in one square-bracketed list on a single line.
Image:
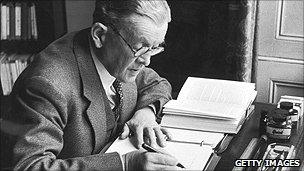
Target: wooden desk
[(251, 130)]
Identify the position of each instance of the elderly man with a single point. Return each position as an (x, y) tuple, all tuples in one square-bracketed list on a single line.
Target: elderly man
[(86, 88)]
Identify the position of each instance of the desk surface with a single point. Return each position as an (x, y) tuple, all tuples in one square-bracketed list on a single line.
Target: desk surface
[(251, 130)]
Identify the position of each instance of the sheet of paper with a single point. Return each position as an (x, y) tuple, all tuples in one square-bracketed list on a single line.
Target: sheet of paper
[(122, 146), (192, 156), (214, 90)]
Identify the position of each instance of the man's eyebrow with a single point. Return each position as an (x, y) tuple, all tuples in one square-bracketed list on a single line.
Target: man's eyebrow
[(145, 41)]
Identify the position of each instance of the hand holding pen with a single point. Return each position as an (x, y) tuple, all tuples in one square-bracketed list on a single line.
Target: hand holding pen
[(144, 160), (151, 149)]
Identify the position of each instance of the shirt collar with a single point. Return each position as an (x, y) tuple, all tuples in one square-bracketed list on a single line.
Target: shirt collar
[(106, 78)]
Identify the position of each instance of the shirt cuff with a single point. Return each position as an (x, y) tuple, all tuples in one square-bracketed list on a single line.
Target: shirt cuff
[(152, 107)]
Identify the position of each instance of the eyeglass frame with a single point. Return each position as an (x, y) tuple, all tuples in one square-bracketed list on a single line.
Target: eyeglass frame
[(158, 49)]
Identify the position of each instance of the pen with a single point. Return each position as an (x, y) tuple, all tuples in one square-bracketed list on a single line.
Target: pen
[(189, 142), (260, 147), (247, 153), (151, 149), (279, 157)]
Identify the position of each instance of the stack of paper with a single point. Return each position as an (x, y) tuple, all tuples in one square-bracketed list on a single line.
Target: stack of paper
[(210, 105)]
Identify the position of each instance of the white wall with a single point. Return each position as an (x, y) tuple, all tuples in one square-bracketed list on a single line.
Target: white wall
[(79, 14)]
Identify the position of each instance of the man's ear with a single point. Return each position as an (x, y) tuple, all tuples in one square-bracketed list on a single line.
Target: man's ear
[(98, 33)]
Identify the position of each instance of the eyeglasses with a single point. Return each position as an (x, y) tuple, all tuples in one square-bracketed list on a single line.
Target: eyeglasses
[(143, 50)]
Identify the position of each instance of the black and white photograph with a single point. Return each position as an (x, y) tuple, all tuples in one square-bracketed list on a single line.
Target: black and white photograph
[(130, 85)]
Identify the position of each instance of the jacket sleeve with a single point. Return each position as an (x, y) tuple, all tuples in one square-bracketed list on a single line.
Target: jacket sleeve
[(152, 89), (40, 116)]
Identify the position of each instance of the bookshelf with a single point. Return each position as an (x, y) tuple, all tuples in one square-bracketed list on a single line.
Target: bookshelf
[(27, 27)]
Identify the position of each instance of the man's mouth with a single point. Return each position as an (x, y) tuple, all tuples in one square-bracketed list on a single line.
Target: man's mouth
[(134, 70)]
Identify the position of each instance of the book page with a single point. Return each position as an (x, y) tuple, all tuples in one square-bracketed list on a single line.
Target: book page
[(192, 156), (221, 91)]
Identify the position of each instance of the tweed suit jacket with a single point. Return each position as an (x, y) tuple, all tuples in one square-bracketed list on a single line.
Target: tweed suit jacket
[(61, 106)]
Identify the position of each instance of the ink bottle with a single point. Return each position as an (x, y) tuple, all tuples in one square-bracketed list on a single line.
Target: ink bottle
[(293, 113), (279, 124)]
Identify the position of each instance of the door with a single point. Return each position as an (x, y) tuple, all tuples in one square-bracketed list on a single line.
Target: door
[(280, 58)]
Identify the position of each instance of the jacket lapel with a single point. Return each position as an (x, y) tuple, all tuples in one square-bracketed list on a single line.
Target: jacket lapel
[(92, 90)]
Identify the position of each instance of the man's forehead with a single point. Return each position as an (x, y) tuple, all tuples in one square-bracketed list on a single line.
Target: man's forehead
[(150, 33)]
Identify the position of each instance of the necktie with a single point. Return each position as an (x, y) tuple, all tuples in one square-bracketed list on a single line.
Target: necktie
[(118, 106)]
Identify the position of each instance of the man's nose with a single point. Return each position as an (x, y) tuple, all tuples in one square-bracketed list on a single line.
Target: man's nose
[(144, 59)]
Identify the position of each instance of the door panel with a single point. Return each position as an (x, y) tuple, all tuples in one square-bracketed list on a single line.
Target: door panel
[(280, 64), (280, 31)]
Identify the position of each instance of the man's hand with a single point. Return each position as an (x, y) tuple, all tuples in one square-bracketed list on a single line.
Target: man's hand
[(143, 160), (145, 128)]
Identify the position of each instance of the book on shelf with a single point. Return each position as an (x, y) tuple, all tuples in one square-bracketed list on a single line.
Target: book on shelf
[(18, 21), (4, 76), (24, 21), (192, 149), (7, 22), (12, 26), (29, 25), (33, 22), (11, 67), (210, 105), (11, 20), (3, 21)]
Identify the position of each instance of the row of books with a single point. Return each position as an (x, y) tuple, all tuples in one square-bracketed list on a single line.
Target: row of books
[(11, 67), (210, 105), (18, 20)]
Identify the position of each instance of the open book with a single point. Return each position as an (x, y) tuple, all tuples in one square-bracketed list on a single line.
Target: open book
[(191, 148), (210, 105)]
